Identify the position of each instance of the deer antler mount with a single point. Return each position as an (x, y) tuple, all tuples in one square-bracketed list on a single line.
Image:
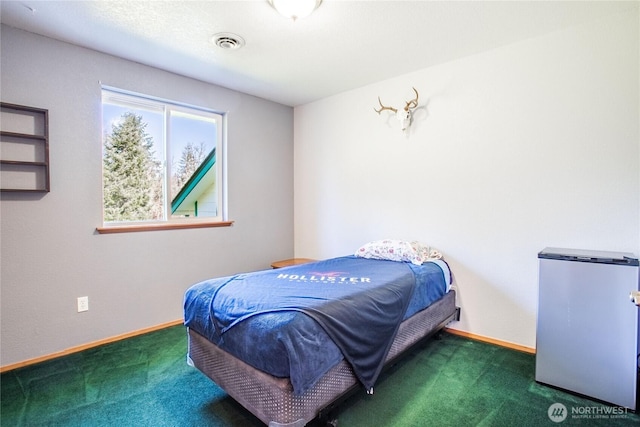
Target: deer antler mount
[(404, 116)]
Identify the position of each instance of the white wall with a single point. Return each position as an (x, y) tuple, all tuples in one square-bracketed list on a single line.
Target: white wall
[(529, 145), (51, 253)]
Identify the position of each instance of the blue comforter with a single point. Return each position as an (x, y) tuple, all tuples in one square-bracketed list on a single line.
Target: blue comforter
[(300, 321)]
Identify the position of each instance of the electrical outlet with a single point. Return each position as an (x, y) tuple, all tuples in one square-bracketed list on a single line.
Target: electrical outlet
[(83, 304)]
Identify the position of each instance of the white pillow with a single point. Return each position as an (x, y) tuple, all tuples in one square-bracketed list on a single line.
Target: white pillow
[(398, 250)]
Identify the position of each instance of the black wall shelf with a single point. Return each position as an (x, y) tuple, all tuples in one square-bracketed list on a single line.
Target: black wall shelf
[(24, 148)]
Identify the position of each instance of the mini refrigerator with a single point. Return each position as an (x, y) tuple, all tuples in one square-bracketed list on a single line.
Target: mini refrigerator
[(587, 329)]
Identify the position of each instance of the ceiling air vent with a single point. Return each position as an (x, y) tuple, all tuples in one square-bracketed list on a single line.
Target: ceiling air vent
[(228, 41)]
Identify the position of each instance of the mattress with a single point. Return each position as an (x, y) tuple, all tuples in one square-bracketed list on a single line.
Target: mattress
[(298, 346), (273, 400)]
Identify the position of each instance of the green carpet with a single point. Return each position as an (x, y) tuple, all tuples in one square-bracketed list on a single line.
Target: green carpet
[(145, 381)]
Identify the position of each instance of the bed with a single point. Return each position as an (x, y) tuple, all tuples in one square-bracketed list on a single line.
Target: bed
[(289, 344)]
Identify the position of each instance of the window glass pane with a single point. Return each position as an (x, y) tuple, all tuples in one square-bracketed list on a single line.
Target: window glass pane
[(133, 155), (193, 140)]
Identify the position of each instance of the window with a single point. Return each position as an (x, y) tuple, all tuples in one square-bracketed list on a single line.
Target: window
[(161, 161)]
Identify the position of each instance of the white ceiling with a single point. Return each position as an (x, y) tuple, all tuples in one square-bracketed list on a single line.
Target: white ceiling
[(345, 44)]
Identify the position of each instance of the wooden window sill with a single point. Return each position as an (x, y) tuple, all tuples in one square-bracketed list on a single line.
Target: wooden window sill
[(130, 228)]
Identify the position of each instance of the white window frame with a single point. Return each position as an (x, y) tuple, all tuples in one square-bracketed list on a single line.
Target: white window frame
[(122, 97)]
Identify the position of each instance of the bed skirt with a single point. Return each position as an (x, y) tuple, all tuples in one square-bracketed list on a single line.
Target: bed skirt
[(272, 400)]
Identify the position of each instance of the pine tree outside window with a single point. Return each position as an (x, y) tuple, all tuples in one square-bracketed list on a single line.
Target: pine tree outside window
[(161, 161)]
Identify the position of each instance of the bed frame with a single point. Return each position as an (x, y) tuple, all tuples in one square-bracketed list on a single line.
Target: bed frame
[(272, 400)]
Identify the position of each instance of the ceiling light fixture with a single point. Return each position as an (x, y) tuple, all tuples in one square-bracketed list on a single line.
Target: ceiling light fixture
[(295, 9), (228, 41)]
